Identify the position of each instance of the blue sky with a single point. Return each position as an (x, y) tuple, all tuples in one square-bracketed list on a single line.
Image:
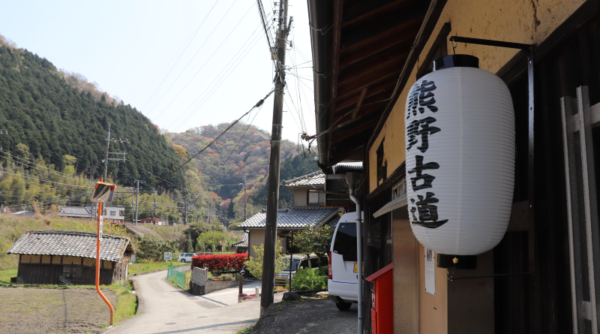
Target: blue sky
[(136, 50)]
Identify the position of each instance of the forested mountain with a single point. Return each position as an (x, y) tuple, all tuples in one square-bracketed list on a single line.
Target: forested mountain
[(243, 152), (54, 114), (53, 128)]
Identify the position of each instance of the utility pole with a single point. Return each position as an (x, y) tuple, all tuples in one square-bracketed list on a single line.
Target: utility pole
[(274, 163), (244, 184), (137, 200), (124, 154), (154, 210), (106, 158), (185, 211)]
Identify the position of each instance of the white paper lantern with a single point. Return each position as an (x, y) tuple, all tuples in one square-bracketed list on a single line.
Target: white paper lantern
[(460, 156)]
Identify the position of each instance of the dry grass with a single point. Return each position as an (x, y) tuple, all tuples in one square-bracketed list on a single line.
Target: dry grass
[(13, 227)]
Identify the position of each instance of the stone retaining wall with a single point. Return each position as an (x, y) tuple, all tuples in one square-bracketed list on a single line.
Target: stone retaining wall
[(200, 285)]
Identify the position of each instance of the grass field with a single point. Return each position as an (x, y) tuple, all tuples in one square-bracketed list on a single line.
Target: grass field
[(63, 309), (143, 266)]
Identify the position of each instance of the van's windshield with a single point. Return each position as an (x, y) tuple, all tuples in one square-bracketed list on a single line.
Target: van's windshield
[(294, 265), (345, 241)]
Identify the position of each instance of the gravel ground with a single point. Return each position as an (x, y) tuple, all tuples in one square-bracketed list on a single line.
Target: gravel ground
[(33, 310), (312, 316)]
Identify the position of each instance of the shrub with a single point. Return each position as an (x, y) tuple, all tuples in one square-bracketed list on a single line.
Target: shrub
[(220, 262), (151, 249), (255, 264), (308, 279)]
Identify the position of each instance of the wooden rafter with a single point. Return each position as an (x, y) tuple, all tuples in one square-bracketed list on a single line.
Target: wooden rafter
[(338, 8), (386, 86), (359, 102)]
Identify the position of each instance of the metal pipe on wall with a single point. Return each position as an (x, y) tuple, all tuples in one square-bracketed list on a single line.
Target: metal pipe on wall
[(350, 177)]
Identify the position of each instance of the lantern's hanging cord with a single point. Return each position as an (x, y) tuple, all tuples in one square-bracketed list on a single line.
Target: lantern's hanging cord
[(454, 47)]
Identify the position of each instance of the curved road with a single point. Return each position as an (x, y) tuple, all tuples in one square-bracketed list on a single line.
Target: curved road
[(167, 309)]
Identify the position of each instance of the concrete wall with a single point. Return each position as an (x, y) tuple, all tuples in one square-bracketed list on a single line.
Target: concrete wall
[(505, 20), (257, 237), (301, 197)]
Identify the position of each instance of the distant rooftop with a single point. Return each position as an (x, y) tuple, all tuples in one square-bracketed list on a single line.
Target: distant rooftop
[(70, 243), (314, 179), (344, 167), (296, 217)]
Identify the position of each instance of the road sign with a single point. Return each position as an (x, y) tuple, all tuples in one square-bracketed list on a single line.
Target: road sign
[(168, 256)]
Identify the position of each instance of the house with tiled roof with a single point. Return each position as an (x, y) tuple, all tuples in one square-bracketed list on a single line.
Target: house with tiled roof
[(69, 257), (309, 209)]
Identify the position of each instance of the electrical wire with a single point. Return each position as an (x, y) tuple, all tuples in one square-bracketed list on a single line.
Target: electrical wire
[(194, 56), (220, 78), (258, 104), (203, 65), (180, 52), (236, 144)]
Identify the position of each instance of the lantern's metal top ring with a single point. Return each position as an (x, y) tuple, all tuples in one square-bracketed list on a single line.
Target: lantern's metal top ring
[(455, 61)]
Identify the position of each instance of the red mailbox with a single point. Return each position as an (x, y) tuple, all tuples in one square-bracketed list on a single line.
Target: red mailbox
[(382, 302)]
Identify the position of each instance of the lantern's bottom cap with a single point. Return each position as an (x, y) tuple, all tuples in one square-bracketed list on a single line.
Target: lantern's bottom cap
[(457, 261)]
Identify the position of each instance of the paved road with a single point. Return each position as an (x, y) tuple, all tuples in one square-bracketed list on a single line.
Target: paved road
[(167, 309)]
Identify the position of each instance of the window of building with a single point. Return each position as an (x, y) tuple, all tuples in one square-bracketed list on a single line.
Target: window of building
[(113, 213), (316, 197), (381, 164)]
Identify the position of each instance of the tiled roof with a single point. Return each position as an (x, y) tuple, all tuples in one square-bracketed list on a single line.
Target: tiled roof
[(243, 242), (70, 243), (313, 179), (75, 211), (343, 167), (296, 217)]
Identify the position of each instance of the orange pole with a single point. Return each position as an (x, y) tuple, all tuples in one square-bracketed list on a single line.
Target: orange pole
[(112, 310)]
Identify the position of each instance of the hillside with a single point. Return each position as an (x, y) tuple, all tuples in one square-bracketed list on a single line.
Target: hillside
[(52, 114), (243, 152)]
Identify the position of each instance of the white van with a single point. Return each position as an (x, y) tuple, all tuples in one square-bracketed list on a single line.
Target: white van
[(343, 268)]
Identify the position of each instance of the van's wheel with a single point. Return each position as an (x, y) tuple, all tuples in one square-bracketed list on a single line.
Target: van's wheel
[(343, 306), (183, 260)]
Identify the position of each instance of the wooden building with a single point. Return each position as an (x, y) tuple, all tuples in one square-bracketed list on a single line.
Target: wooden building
[(544, 276), (69, 257)]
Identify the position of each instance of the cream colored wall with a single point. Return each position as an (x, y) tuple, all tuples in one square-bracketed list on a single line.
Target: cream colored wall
[(257, 237), (300, 197), (528, 22), (406, 278), (433, 309)]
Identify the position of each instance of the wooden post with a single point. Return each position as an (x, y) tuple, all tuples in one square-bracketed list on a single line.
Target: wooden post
[(241, 282)]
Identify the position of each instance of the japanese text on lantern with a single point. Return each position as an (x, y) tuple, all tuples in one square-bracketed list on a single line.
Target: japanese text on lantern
[(421, 106)]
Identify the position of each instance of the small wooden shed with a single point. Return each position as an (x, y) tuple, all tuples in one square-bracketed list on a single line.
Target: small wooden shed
[(69, 257)]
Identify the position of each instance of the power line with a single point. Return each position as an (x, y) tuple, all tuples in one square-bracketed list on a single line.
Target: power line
[(258, 104), (220, 79), (194, 56), (203, 65), (236, 144), (177, 61)]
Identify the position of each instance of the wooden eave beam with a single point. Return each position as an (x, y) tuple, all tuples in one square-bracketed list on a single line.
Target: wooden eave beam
[(429, 23), (386, 86), (364, 9), (380, 43), (356, 130), (399, 14), (372, 63), (359, 102), (338, 8), (371, 80), (359, 74), (365, 110)]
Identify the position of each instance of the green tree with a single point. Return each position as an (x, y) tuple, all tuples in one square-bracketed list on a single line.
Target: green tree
[(255, 263), (314, 239)]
